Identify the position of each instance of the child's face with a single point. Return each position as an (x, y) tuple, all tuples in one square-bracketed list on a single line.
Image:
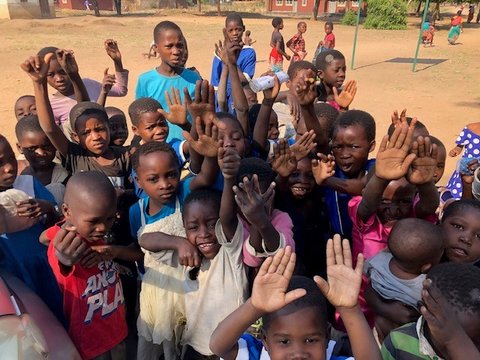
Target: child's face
[(273, 132), (462, 236), (152, 126), (92, 219), (58, 78), (235, 30), (199, 220), (328, 29), (334, 73), (302, 28), (37, 148), (93, 134), (118, 129), (170, 46), (159, 176), (298, 335), (292, 84), (396, 202), (350, 147), (440, 168), (301, 181), (280, 26), (232, 136), (8, 165), (24, 107)]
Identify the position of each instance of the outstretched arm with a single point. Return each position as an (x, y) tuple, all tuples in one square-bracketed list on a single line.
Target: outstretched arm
[(229, 161), (37, 69), (269, 294)]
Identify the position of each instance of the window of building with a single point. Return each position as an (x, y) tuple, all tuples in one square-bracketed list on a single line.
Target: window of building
[(304, 2), (289, 2), (279, 2)]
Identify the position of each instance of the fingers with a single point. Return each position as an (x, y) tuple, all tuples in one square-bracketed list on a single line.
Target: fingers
[(347, 253), (330, 253), (188, 99), (277, 259), (265, 266), (198, 91), (294, 295), (322, 284), (284, 261), (360, 264), (204, 91), (337, 249), (383, 144), (105, 72)]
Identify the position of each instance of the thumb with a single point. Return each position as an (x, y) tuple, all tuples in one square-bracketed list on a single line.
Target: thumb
[(335, 91), (221, 153), (48, 57), (105, 72), (187, 136), (163, 113), (322, 285), (294, 295)]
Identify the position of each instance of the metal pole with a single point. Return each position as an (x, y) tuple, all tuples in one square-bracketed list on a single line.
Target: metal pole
[(425, 11), (356, 34)]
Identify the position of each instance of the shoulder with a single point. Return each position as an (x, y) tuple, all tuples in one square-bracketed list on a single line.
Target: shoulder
[(190, 75), (404, 339)]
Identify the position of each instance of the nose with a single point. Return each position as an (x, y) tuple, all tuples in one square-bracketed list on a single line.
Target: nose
[(341, 73), (40, 152), (164, 184), (96, 135), (8, 168), (466, 238), (203, 233), (101, 227), (227, 142), (345, 153)]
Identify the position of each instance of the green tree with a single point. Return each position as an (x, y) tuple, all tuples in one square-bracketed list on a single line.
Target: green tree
[(386, 14)]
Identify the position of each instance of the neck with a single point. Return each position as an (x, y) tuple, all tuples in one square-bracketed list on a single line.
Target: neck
[(167, 70), (400, 271), (154, 207), (428, 335), (68, 92)]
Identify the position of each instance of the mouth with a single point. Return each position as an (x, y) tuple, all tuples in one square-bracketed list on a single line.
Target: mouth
[(166, 196), (346, 167), (160, 138), (99, 145), (457, 252), (299, 191), (97, 237), (206, 247)]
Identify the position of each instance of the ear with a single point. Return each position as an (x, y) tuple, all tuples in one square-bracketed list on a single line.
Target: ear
[(372, 146), (19, 148), (75, 137), (264, 341), (425, 268), (135, 130), (139, 182), (320, 74), (66, 211), (288, 83)]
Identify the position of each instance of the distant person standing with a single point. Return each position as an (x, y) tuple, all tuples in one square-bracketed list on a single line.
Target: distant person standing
[(471, 12), (278, 46), (297, 43), (456, 28), (327, 43), (87, 5)]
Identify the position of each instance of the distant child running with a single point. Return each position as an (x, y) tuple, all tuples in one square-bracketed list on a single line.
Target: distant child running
[(456, 28), (297, 43), (278, 46), (327, 43)]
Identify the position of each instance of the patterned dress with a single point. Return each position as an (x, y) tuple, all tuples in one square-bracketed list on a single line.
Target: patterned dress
[(471, 144)]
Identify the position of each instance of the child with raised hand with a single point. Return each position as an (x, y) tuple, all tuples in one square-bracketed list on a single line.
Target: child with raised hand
[(402, 186), (297, 43), (95, 309), (278, 46), (299, 196), (213, 227), (244, 63), (89, 122), (293, 311), (396, 276), (70, 88), (332, 71), (448, 327), (40, 153), (26, 209), (467, 141), (170, 44), (24, 106)]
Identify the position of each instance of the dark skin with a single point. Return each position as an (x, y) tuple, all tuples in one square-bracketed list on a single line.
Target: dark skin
[(73, 84)]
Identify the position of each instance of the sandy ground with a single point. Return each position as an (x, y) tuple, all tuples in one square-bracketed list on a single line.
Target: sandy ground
[(444, 96)]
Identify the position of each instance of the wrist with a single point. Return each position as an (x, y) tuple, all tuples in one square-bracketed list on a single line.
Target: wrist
[(268, 102), (348, 310), (254, 308)]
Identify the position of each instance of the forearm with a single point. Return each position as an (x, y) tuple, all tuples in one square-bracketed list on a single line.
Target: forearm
[(351, 187), (118, 65), (46, 118), (222, 90), (429, 200), (158, 241), (363, 343), (79, 89), (239, 99), (260, 131), (311, 122), (225, 337), (467, 193), (270, 236), (228, 209), (371, 197), (461, 347), (208, 174), (102, 98), (129, 253), (195, 158)]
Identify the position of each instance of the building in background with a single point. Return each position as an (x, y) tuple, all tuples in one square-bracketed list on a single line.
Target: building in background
[(27, 9)]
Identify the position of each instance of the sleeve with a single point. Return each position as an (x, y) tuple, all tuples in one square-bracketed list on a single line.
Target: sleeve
[(216, 72), (234, 246), (462, 138), (353, 205), (42, 193), (69, 162), (53, 260), (185, 188), (388, 350), (177, 145), (140, 88), (120, 88), (134, 219), (248, 65)]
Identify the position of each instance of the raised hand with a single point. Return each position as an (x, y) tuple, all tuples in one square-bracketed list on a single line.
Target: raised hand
[(108, 81), (33, 208), (272, 93), (304, 145), (269, 291), (468, 176), (37, 67), (393, 159), (422, 169), (323, 167), (306, 90), (70, 248), (283, 161), (232, 48), (204, 101), (92, 258), (111, 47), (221, 52), (67, 61), (346, 96), (399, 120), (295, 109), (457, 150), (228, 161), (207, 143), (344, 281), (250, 200), (177, 112)]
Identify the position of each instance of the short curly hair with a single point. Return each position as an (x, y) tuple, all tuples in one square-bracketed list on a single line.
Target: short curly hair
[(356, 117), (141, 106), (151, 147)]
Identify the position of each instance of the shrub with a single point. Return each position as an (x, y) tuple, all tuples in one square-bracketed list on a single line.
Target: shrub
[(386, 14), (350, 18)]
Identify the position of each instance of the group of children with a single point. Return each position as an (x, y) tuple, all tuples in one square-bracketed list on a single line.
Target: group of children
[(226, 215)]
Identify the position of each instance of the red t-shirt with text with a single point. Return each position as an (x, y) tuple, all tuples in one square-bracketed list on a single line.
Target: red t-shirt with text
[(93, 303)]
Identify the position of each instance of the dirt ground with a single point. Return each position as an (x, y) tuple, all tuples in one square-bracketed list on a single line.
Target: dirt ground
[(444, 96)]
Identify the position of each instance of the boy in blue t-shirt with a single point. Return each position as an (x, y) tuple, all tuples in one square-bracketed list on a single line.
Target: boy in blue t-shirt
[(171, 47), (247, 59)]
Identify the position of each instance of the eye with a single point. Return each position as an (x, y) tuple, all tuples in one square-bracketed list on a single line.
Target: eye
[(50, 74), (193, 227), (284, 341), (311, 340), (152, 179), (295, 174), (457, 226)]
